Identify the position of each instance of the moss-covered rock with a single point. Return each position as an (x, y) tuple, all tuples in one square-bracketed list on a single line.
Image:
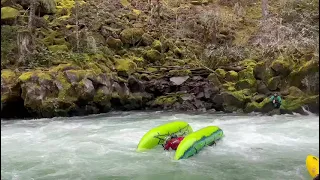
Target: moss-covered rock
[(247, 74), (214, 79), (131, 35), (165, 101), (125, 67), (231, 76), (146, 39), (221, 73), (236, 99), (262, 72), (295, 104), (265, 106), (114, 43), (295, 92), (182, 72), (308, 69), (9, 13), (273, 83), (248, 63), (281, 67), (152, 56), (58, 48), (10, 90), (151, 69), (157, 45), (244, 84), (229, 86)]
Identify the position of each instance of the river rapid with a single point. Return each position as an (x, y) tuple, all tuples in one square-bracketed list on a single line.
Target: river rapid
[(102, 147)]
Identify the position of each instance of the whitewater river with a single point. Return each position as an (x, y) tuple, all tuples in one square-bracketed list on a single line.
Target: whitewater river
[(102, 147)]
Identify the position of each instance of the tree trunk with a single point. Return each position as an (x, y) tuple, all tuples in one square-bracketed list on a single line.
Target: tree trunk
[(32, 14), (77, 26), (25, 45)]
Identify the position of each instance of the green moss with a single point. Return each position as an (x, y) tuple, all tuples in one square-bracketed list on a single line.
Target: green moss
[(114, 43), (8, 75), (146, 39), (125, 65), (221, 72), (151, 69), (9, 48), (25, 76), (294, 103), (232, 76), (156, 45), (229, 86), (37, 73), (57, 48), (184, 72), (242, 95), (152, 55), (245, 84), (9, 13), (64, 67), (246, 74), (131, 35), (262, 72), (274, 83), (66, 93), (256, 107), (281, 66), (166, 100), (214, 79), (248, 63), (66, 5)]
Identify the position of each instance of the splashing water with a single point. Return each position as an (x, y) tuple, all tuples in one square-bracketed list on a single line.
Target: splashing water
[(103, 147)]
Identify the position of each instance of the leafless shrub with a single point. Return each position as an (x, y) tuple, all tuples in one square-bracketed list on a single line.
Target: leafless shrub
[(292, 31), (311, 82)]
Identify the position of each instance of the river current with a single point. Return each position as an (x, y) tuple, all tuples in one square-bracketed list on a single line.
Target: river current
[(103, 147)]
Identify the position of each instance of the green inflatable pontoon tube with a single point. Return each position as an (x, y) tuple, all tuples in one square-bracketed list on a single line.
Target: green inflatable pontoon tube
[(195, 141), (158, 135)]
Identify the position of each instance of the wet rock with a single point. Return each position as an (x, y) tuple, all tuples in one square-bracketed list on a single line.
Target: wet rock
[(179, 80), (135, 85)]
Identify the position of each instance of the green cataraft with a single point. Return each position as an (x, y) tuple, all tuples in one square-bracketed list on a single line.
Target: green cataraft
[(194, 142), (158, 135)]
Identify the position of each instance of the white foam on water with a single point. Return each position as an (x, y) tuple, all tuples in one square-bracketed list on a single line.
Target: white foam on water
[(104, 147)]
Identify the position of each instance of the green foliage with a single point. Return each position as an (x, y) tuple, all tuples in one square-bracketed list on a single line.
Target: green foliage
[(9, 49)]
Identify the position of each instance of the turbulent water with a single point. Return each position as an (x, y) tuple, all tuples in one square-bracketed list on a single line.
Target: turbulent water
[(102, 147)]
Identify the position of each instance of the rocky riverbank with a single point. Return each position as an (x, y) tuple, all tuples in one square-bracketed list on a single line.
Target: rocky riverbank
[(84, 57), (68, 90)]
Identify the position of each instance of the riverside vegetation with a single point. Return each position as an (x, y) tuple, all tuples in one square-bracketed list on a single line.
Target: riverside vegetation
[(74, 57)]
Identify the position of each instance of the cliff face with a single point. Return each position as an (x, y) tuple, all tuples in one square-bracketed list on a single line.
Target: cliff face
[(89, 57)]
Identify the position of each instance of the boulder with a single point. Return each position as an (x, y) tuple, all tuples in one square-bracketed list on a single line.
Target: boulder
[(262, 88), (135, 85), (264, 106), (231, 76), (125, 67), (152, 56), (114, 43), (131, 35), (147, 39), (157, 45), (273, 83), (214, 79), (9, 13), (309, 69), (262, 72), (280, 67), (179, 80)]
